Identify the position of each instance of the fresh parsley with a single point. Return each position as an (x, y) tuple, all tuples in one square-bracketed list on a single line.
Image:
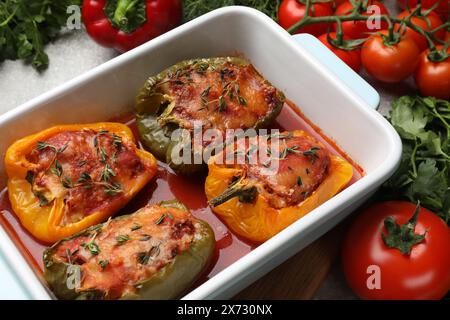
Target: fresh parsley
[(26, 26), (424, 172)]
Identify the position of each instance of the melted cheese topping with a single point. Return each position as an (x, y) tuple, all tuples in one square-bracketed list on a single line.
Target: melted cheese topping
[(221, 96), (299, 166), (87, 169), (117, 257)]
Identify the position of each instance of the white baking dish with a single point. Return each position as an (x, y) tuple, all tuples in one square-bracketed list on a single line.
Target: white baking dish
[(336, 107)]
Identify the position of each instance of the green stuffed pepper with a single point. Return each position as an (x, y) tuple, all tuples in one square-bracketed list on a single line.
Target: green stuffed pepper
[(156, 253), (197, 95)]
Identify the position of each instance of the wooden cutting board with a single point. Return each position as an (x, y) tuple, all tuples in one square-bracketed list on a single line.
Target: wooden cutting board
[(300, 276)]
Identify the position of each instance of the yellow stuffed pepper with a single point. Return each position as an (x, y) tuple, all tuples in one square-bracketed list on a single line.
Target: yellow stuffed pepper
[(262, 195), (70, 177)]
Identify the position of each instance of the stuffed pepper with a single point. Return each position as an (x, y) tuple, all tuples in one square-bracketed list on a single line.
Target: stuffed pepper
[(156, 253), (216, 93), (70, 177), (261, 195)]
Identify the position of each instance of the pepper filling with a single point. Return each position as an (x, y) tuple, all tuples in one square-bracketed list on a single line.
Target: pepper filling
[(117, 257), (221, 95), (87, 169), (301, 164)]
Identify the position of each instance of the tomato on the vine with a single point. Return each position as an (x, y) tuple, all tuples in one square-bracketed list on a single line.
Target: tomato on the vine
[(361, 29), (433, 77), (442, 8), (389, 62), (337, 3), (292, 11), (351, 57), (427, 22), (395, 250)]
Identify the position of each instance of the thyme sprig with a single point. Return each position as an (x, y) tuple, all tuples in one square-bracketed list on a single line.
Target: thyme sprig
[(231, 89), (144, 257), (122, 239)]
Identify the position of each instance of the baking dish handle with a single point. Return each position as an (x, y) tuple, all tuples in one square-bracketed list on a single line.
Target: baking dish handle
[(349, 77)]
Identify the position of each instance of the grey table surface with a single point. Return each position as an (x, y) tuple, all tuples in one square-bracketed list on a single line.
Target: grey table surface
[(75, 53)]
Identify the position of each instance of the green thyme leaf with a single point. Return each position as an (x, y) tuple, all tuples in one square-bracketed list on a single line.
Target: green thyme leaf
[(145, 237), (136, 227), (113, 189), (107, 173), (160, 219), (103, 263), (57, 169), (67, 182), (122, 239), (92, 247), (84, 177)]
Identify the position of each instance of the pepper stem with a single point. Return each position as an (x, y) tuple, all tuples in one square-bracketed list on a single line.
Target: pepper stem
[(403, 237), (236, 189), (123, 8), (126, 15)]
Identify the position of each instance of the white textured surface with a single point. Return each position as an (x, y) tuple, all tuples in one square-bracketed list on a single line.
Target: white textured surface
[(70, 56)]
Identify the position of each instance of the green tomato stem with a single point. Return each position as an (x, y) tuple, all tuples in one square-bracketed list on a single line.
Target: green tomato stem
[(403, 237), (356, 16)]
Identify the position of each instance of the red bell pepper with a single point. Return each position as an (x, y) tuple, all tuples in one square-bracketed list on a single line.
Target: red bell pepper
[(126, 24)]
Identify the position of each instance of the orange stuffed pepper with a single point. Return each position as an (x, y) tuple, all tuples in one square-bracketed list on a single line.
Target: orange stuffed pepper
[(257, 202), (70, 177)]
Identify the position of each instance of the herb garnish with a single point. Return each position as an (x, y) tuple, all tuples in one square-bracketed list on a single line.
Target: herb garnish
[(57, 169), (103, 263), (160, 219), (113, 189), (43, 201), (231, 90), (145, 237), (121, 239), (107, 173), (85, 178), (144, 257), (67, 182), (136, 227), (92, 247)]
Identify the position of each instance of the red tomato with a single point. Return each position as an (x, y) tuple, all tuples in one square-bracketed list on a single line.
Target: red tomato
[(359, 29), (447, 36), (433, 78), (422, 274), (434, 22), (351, 57), (389, 63), (443, 8), (292, 11)]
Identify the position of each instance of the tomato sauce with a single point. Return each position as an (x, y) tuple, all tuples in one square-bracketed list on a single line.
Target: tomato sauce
[(190, 190)]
